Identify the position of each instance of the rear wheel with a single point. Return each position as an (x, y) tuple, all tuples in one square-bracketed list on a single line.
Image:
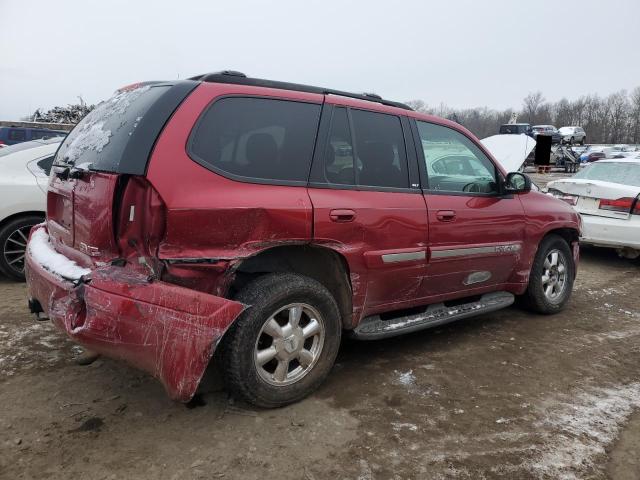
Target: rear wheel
[(551, 277), (284, 345), (13, 241), (583, 141)]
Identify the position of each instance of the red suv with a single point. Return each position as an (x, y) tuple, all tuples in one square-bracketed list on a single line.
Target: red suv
[(262, 220)]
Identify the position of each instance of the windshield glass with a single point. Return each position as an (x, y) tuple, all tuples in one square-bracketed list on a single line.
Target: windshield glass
[(27, 145), (99, 140), (622, 173)]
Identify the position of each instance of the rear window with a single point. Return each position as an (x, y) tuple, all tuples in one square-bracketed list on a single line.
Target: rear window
[(257, 138), (99, 140), (622, 173), (511, 129)]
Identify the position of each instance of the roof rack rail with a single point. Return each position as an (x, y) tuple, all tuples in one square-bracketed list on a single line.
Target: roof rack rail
[(239, 78)]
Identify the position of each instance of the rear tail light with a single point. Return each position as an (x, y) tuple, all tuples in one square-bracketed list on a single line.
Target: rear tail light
[(140, 218), (622, 205)]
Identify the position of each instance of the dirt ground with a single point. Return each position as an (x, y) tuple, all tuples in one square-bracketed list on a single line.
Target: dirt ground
[(506, 395)]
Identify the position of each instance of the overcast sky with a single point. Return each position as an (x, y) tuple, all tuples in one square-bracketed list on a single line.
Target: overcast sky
[(464, 53)]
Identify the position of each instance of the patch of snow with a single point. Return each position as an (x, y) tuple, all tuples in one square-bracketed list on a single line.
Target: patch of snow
[(44, 254), (85, 166), (91, 134), (397, 426), (588, 422), (502, 420), (90, 137), (407, 378)]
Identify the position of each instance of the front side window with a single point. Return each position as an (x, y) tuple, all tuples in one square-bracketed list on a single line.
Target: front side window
[(257, 138), (454, 163)]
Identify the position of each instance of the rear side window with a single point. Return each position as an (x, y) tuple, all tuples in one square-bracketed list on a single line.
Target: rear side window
[(100, 139), (369, 151), (45, 164), (257, 138), (17, 135)]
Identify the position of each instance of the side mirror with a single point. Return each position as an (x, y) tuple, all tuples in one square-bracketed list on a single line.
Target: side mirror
[(517, 182)]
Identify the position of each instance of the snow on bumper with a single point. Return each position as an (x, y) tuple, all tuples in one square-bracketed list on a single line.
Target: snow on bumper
[(169, 331)]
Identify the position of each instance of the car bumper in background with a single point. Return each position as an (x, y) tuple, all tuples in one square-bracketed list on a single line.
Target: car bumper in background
[(169, 331), (611, 232)]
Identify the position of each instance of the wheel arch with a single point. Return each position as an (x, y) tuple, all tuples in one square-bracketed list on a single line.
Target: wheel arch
[(17, 215), (322, 264)]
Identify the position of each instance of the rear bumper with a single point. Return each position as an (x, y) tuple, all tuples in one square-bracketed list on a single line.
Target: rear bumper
[(169, 331), (611, 232)]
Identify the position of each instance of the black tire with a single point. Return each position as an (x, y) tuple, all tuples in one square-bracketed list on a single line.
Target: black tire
[(12, 240), (265, 296), (583, 141), (535, 298), (571, 140)]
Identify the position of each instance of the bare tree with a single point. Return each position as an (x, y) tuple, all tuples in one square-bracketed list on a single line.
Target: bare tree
[(531, 104)]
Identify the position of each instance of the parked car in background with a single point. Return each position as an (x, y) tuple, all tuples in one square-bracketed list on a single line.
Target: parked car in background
[(607, 196), (573, 135), (548, 130), (13, 135), (593, 154), (267, 218), (24, 174), (515, 129)]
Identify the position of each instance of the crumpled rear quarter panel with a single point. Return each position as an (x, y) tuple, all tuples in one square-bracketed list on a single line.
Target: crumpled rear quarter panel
[(169, 331)]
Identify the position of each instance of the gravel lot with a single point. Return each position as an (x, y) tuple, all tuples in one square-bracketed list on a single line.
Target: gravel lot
[(505, 395)]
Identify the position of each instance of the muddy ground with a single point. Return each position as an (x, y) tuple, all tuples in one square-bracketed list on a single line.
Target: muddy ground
[(506, 395)]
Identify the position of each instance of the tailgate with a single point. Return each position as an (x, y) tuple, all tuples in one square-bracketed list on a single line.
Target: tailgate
[(110, 144)]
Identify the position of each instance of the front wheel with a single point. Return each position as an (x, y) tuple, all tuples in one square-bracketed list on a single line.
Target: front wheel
[(551, 278), (284, 345)]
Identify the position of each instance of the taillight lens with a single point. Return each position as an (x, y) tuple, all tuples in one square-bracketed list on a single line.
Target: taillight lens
[(622, 205)]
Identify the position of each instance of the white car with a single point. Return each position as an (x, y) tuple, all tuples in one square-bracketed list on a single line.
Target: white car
[(24, 176), (573, 135), (607, 196)]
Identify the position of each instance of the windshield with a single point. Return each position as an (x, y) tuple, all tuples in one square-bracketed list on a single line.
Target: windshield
[(614, 172), (99, 140), (565, 130), (27, 145)]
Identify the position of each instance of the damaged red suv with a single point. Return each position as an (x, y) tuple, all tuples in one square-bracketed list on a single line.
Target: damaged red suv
[(263, 220)]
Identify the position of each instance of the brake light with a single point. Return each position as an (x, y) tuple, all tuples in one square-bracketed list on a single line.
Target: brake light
[(140, 218), (620, 205)]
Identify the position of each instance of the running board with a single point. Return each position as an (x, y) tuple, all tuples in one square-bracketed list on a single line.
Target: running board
[(373, 327)]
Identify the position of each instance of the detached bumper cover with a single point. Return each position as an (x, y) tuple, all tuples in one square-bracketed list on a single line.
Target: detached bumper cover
[(169, 331)]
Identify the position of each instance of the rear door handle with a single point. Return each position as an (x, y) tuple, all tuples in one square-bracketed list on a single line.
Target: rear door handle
[(445, 215), (342, 215)]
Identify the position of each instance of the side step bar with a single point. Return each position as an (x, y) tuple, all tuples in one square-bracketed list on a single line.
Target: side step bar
[(374, 328)]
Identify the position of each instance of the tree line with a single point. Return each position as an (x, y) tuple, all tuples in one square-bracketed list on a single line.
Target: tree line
[(611, 119)]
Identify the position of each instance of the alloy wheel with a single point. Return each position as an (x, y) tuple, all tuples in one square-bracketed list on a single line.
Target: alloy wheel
[(289, 344), (554, 275), (15, 247)]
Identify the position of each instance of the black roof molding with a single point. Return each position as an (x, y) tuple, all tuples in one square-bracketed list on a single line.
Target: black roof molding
[(239, 78)]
